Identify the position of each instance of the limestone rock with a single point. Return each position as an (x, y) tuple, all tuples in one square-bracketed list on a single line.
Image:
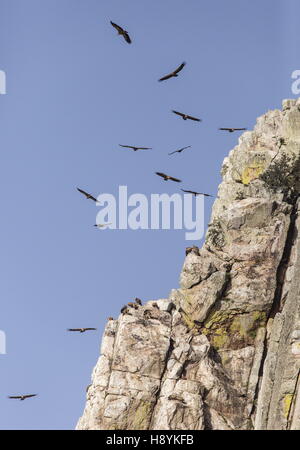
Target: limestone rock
[(223, 351)]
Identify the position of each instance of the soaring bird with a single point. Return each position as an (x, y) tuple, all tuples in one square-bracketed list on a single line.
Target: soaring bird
[(173, 74), (179, 150), (81, 330), (102, 225), (196, 193), (122, 32), (167, 177), (22, 397), (135, 148), (232, 130), (87, 195), (186, 116)]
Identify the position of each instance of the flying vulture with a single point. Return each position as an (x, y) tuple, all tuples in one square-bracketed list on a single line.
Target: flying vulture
[(167, 177), (81, 330), (186, 116), (22, 397), (102, 225), (196, 193), (173, 74), (180, 150), (232, 130), (87, 195), (122, 32), (135, 148)]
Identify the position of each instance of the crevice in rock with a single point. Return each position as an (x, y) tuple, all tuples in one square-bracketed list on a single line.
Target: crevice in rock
[(277, 303)]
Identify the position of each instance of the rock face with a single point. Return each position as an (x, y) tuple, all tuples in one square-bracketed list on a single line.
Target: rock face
[(223, 352)]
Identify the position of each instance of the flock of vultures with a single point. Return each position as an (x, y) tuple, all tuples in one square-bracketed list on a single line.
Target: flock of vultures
[(164, 176)]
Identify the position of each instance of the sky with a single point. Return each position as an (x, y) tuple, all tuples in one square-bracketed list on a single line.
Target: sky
[(75, 90)]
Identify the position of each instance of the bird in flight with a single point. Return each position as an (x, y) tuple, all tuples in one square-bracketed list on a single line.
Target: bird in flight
[(102, 225), (22, 397), (81, 330), (173, 74), (186, 116), (122, 32), (196, 193), (87, 195), (232, 130), (167, 177), (180, 150), (135, 148)]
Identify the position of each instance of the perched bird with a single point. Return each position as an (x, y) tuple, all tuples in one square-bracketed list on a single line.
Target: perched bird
[(124, 309), (102, 225), (186, 116), (81, 330), (231, 130), (197, 323), (132, 305), (138, 301), (179, 150), (193, 249), (155, 305), (122, 32), (87, 195), (135, 148), (173, 74), (110, 318), (196, 193), (167, 177), (22, 397)]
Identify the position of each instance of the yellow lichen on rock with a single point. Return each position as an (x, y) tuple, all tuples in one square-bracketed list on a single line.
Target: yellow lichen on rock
[(287, 403), (252, 172)]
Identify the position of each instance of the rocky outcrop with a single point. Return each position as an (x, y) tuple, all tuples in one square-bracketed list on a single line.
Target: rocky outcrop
[(223, 352)]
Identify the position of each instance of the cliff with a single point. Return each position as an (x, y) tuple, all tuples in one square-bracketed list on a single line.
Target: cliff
[(223, 351)]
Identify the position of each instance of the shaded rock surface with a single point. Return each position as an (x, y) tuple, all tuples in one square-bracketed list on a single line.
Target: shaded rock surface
[(223, 352)]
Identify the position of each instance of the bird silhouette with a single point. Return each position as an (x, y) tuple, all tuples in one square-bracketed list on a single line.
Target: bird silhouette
[(167, 177), (186, 116), (22, 397), (196, 193), (81, 330), (232, 130), (132, 147), (122, 32), (180, 150), (87, 195), (173, 74)]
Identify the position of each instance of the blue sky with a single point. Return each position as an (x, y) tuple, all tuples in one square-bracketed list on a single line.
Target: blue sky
[(75, 90)]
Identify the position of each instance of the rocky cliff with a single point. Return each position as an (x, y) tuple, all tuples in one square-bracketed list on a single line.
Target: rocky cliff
[(223, 351)]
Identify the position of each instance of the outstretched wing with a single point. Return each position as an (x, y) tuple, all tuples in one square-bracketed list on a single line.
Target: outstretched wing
[(117, 27), (144, 148), (29, 395), (126, 37), (178, 113), (194, 118), (160, 174), (179, 68), (175, 179), (74, 329), (166, 77), (88, 329), (127, 146), (189, 192), (15, 396), (82, 192)]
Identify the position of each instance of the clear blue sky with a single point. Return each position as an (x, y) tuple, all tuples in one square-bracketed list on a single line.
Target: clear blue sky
[(75, 90)]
